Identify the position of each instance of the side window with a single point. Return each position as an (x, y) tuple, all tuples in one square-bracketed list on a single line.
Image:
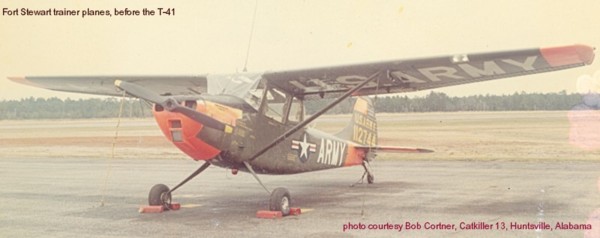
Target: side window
[(256, 96), (296, 111), (275, 104)]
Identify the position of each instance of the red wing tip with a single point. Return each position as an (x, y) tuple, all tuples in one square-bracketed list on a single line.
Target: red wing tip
[(17, 79), (567, 55), (24, 80)]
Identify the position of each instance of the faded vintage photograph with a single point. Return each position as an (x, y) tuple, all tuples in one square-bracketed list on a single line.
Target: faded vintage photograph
[(299, 118)]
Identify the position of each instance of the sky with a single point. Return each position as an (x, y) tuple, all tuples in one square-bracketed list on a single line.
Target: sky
[(212, 37)]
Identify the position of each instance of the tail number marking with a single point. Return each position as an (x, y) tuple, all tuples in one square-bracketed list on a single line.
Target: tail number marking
[(364, 136)]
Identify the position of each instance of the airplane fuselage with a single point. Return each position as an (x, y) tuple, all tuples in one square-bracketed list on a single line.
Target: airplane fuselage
[(306, 150)]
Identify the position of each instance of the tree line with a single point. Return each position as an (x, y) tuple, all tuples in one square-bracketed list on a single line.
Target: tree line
[(440, 102), (55, 108)]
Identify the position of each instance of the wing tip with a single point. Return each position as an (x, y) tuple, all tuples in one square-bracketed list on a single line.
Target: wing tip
[(23, 80), (567, 55), (16, 79)]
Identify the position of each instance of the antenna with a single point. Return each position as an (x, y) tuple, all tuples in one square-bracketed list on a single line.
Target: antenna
[(251, 34)]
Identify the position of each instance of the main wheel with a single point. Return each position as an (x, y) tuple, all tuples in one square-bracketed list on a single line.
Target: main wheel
[(280, 201), (159, 196)]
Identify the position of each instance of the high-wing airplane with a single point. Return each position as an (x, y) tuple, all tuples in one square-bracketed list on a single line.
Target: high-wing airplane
[(255, 122)]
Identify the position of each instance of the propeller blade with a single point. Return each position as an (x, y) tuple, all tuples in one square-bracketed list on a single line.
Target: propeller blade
[(172, 105), (141, 92), (202, 118)]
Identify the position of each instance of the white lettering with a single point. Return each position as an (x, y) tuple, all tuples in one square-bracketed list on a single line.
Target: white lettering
[(527, 65), (331, 152), (319, 83), (328, 151), (341, 154), (433, 73), (335, 155), (489, 68), (321, 157), (354, 80), (406, 77)]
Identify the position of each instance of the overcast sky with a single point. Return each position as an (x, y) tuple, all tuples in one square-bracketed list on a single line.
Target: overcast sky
[(212, 37)]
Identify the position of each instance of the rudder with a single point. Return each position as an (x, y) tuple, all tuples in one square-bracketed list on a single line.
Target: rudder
[(363, 127)]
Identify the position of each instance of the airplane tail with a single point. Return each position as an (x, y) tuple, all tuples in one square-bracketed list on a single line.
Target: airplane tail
[(362, 129)]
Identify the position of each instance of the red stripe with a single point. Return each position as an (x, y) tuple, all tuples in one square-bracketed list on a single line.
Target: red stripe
[(568, 55)]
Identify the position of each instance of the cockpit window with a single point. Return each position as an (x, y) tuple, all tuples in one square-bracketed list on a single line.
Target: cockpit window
[(275, 104), (256, 96)]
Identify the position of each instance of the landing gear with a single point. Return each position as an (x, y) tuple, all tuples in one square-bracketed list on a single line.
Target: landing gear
[(370, 178), (160, 196), (368, 172), (280, 201)]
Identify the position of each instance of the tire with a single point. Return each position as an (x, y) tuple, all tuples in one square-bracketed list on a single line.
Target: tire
[(159, 196), (280, 201)]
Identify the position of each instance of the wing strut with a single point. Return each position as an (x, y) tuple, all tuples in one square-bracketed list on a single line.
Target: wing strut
[(249, 167), (313, 117), (194, 174)]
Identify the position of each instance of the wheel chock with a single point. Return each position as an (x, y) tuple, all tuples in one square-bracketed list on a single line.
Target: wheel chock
[(269, 214), (295, 211), (175, 206), (151, 209)]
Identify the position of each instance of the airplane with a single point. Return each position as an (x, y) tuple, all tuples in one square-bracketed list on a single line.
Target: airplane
[(255, 122)]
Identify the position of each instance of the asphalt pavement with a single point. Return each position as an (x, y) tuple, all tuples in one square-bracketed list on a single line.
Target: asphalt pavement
[(62, 197)]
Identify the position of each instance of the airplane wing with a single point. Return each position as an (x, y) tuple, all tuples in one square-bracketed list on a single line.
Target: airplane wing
[(418, 74), (391, 76), (104, 85)]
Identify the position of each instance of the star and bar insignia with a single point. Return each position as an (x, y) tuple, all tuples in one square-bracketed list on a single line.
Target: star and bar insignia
[(304, 148)]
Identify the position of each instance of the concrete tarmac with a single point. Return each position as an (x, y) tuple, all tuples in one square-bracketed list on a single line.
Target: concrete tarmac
[(62, 198)]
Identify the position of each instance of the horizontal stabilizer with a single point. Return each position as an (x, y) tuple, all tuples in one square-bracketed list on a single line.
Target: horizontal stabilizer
[(394, 149)]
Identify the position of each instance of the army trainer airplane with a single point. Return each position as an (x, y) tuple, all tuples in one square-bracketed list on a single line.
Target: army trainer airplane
[(255, 122)]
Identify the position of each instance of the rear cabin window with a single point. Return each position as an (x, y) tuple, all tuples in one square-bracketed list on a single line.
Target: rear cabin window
[(296, 111)]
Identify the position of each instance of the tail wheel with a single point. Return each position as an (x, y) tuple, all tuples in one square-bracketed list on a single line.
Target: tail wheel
[(159, 196), (280, 201)]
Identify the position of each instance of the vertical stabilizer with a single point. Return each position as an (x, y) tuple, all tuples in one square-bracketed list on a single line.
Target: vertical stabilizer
[(363, 127)]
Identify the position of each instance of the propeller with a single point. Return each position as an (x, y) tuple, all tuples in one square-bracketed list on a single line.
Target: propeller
[(170, 104)]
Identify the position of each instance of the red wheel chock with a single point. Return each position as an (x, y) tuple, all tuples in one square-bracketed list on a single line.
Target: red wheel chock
[(158, 209), (151, 209), (277, 214)]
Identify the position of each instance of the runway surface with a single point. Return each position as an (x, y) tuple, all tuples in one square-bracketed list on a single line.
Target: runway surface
[(61, 198)]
